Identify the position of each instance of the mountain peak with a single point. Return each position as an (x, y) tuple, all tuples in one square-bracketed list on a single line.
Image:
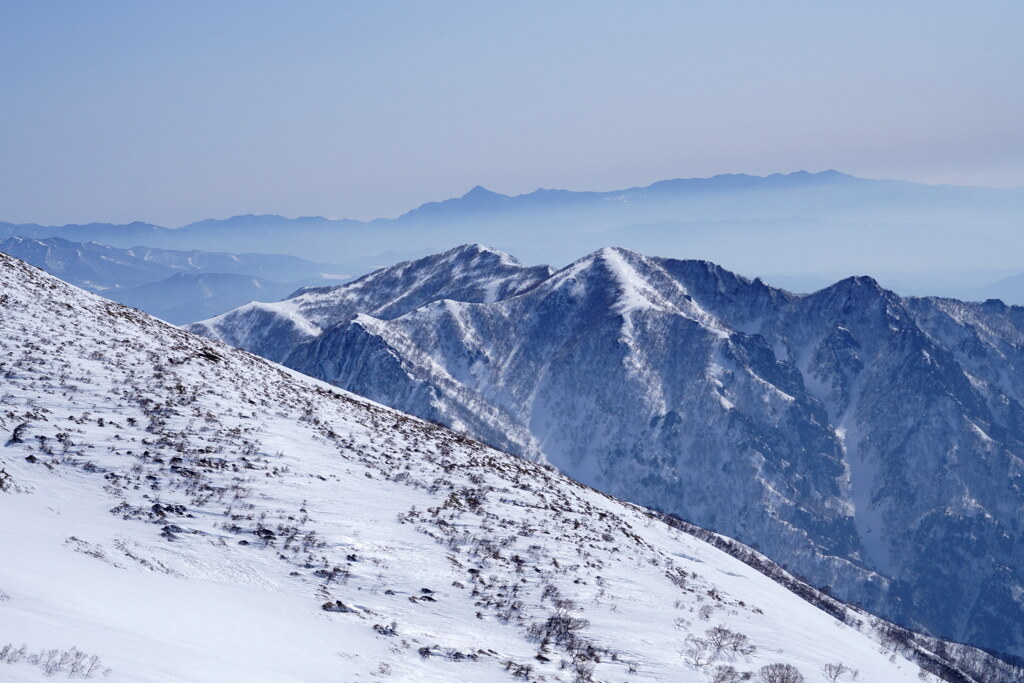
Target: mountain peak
[(480, 196), (477, 199), (864, 282), (636, 281), (475, 249), (636, 291), (480, 191), (830, 175), (467, 253), (610, 255)]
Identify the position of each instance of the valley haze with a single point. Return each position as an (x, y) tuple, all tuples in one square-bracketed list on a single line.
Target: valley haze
[(800, 230)]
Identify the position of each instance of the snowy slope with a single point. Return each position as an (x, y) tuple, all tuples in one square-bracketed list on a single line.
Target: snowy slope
[(873, 443), (185, 511)]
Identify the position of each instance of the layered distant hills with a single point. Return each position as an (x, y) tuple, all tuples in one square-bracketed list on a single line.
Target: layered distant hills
[(871, 442), (176, 286), (799, 223)]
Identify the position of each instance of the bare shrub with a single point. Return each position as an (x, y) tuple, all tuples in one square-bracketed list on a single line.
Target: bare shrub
[(560, 628), (834, 671), (727, 642), (12, 655), (726, 674), (698, 652), (584, 671), (72, 662), (780, 673), (49, 661)]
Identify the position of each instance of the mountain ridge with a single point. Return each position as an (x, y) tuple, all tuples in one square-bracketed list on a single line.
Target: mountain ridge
[(827, 218), (473, 194), (481, 197)]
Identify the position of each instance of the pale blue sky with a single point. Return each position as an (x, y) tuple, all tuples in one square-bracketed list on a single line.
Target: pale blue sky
[(170, 112)]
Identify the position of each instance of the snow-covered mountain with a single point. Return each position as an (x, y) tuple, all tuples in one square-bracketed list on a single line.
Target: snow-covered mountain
[(175, 509), (469, 273), (870, 442)]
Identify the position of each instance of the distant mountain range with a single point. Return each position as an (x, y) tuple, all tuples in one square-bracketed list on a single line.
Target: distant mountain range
[(795, 223), (184, 297), (176, 286), (871, 442)]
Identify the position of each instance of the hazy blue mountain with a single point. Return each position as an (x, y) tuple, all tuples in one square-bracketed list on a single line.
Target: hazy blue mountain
[(184, 297), (1009, 290), (278, 267), (124, 235), (871, 442), (177, 286), (828, 221), (93, 266), (98, 266)]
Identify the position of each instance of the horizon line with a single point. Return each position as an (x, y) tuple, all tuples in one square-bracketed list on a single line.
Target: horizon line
[(482, 189)]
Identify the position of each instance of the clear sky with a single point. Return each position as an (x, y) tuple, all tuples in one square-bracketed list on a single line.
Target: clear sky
[(174, 111)]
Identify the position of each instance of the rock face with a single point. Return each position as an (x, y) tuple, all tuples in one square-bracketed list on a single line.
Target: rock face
[(870, 442)]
